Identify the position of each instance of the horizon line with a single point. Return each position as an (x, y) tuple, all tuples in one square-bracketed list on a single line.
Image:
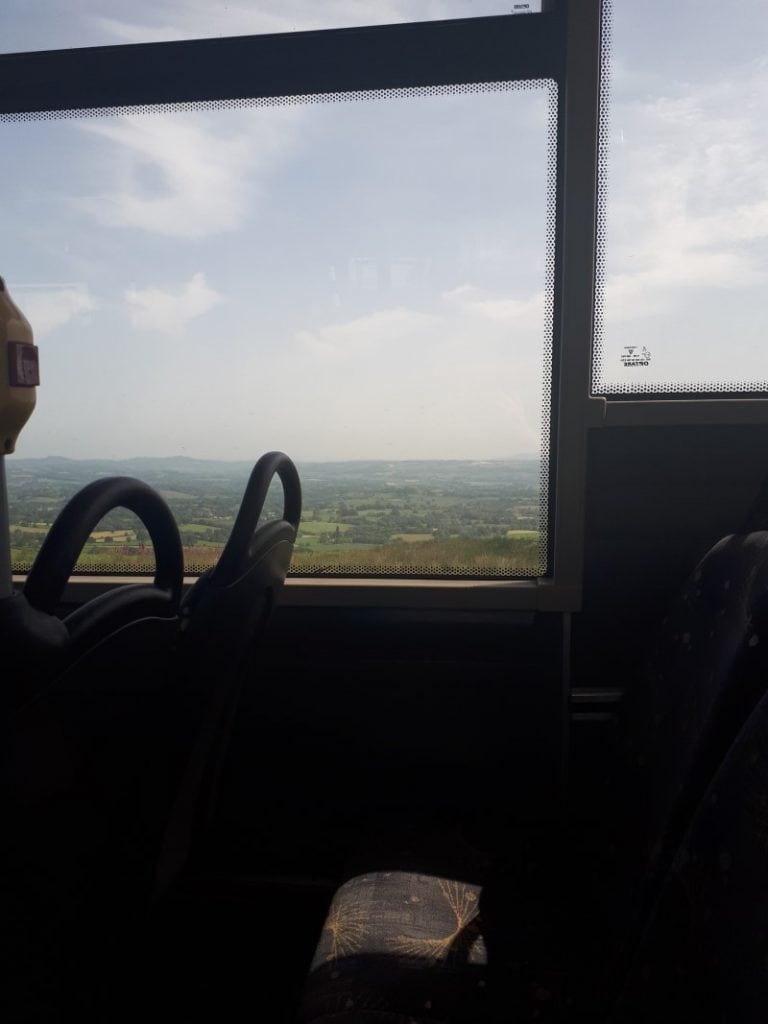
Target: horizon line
[(315, 461)]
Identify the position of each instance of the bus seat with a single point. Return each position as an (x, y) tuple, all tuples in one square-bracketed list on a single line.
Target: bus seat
[(429, 946), (97, 696), (83, 629), (703, 954), (109, 765), (222, 618), (80, 746), (705, 674)]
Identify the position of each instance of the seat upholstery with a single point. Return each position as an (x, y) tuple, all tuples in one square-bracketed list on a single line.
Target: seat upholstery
[(705, 674), (704, 678), (704, 955), (402, 944)]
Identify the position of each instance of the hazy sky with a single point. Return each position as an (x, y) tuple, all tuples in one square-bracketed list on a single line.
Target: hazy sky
[(365, 279)]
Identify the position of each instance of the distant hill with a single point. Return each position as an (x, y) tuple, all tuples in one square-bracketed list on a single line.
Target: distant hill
[(133, 466), (173, 467)]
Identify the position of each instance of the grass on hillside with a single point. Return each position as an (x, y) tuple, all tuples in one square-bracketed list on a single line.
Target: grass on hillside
[(492, 556)]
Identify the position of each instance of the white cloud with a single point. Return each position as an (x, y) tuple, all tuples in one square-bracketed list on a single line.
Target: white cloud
[(48, 307), (525, 313), (688, 194), (383, 328), (187, 174), (463, 378), (169, 312)]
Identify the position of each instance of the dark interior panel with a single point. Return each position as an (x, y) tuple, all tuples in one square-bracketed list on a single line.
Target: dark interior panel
[(362, 719), (657, 499)]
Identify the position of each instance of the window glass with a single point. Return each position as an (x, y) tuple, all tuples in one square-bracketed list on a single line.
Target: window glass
[(64, 24), (681, 304), (363, 283)]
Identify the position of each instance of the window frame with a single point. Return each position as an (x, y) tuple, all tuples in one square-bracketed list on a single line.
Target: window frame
[(562, 43)]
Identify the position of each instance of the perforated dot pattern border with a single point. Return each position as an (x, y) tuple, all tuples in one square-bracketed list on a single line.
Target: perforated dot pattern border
[(549, 311), (302, 99), (530, 85), (318, 570), (603, 151)]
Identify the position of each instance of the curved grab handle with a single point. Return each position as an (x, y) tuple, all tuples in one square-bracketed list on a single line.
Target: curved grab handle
[(60, 550), (235, 553)]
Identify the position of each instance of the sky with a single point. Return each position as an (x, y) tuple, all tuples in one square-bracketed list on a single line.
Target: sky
[(366, 279), (686, 243)]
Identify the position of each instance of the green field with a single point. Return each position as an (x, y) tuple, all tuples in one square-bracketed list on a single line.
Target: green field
[(433, 557), (412, 538), (431, 517)]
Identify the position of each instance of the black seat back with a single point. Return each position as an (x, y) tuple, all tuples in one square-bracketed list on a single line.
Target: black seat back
[(88, 775), (704, 954), (705, 676), (223, 617), (44, 645), (706, 673)]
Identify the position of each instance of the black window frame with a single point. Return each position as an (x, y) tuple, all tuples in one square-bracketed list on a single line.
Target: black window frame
[(561, 43)]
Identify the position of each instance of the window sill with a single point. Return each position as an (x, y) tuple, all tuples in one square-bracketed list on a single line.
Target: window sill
[(479, 595)]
